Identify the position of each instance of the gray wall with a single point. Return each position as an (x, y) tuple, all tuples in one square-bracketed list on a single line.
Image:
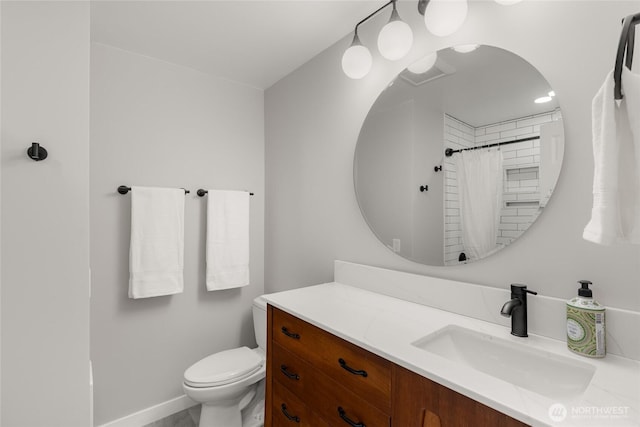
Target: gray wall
[(159, 124), (428, 220), (0, 215), (45, 215), (394, 155), (314, 115), (384, 180)]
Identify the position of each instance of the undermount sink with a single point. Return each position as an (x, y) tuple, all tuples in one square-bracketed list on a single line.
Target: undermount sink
[(539, 371)]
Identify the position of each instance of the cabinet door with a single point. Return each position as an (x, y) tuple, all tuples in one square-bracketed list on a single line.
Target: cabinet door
[(420, 402)]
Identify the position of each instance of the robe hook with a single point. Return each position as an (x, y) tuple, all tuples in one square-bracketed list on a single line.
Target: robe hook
[(36, 152)]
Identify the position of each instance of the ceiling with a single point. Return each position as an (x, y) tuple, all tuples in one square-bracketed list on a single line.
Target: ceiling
[(486, 86), (253, 42)]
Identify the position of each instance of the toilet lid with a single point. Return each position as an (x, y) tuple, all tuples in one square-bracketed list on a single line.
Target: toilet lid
[(223, 368)]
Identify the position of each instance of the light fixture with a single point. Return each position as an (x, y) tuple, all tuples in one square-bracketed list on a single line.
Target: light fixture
[(445, 17), (423, 65), (357, 60), (465, 48), (395, 38), (543, 99), (442, 17)]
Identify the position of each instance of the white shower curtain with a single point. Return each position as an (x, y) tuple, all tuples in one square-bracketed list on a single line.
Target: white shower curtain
[(480, 178)]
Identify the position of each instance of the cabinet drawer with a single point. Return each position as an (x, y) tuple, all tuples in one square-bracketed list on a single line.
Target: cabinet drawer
[(358, 370), (291, 371), (322, 393), (288, 410), (341, 406)]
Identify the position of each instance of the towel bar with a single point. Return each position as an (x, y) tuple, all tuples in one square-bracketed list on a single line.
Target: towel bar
[(202, 192), (123, 189)]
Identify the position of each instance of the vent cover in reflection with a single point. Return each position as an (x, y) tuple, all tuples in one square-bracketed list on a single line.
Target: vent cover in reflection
[(440, 69)]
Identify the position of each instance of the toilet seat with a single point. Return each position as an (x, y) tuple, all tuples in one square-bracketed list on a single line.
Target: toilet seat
[(223, 368)]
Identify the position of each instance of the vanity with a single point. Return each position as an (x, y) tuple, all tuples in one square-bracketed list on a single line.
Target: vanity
[(317, 376), (340, 354)]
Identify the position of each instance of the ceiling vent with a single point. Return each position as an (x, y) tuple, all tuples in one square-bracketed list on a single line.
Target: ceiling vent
[(440, 69)]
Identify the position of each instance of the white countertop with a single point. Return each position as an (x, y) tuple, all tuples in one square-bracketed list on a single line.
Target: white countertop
[(387, 326)]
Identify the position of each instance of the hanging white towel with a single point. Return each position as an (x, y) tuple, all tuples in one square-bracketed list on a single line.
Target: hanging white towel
[(156, 254), (615, 216), (227, 239), (631, 89)]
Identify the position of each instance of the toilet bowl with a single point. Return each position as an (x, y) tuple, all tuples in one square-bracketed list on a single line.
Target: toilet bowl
[(225, 382)]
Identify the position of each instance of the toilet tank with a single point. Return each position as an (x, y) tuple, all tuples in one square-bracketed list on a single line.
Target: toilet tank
[(260, 322)]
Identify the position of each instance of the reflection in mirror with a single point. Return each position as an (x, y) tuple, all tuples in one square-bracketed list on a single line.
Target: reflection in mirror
[(499, 123)]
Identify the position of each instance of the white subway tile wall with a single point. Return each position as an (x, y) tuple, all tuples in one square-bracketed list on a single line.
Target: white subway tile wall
[(463, 137), (521, 197)]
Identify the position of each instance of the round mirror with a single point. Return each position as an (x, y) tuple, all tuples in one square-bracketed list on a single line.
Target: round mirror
[(459, 155)]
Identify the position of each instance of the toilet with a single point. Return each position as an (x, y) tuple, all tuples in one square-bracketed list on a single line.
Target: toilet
[(227, 381)]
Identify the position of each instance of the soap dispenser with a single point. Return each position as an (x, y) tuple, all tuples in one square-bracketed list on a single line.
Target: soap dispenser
[(585, 323)]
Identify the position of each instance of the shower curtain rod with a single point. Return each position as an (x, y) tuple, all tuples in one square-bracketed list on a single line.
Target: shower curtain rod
[(449, 151)]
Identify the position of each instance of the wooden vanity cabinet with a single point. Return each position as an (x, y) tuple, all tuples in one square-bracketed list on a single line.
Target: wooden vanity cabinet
[(420, 402), (316, 379)]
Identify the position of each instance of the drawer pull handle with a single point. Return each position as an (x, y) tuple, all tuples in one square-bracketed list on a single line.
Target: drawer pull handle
[(346, 367), (293, 418), (346, 419), (290, 334), (291, 375)]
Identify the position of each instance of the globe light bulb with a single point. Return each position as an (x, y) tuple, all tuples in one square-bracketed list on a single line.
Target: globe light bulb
[(423, 65), (445, 17), (395, 38), (356, 60), (466, 48)]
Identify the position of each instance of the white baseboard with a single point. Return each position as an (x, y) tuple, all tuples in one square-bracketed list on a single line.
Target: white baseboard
[(154, 413)]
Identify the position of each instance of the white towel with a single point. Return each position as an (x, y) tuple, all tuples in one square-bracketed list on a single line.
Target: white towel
[(156, 254), (615, 216), (631, 90), (227, 239)]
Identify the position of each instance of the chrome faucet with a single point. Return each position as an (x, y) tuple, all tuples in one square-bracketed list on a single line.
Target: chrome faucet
[(516, 308)]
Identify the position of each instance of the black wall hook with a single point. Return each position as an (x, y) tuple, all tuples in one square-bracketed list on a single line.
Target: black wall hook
[(627, 38), (36, 152), (424, 188)]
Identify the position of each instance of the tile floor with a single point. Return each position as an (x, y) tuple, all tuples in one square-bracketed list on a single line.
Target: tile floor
[(187, 418)]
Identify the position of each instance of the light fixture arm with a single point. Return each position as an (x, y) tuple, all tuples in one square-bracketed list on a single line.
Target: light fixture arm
[(396, 37), (373, 14)]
